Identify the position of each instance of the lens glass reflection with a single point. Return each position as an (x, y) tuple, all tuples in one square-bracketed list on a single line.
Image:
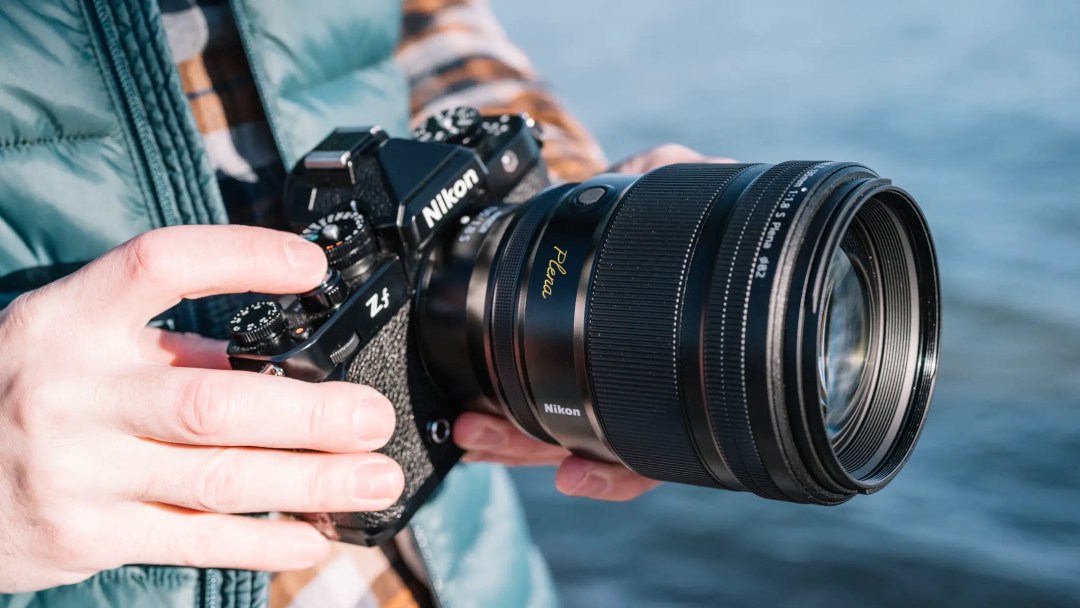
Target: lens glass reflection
[(844, 342)]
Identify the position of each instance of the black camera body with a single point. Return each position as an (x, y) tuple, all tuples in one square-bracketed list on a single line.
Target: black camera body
[(377, 206)]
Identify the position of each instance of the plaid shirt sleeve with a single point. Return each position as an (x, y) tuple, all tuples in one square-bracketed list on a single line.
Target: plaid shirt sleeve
[(456, 53)]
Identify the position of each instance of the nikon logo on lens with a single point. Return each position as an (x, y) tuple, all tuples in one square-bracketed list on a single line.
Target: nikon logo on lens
[(762, 328), (554, 408)]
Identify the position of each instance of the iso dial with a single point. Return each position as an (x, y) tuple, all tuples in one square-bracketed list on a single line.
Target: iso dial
[(450, 126), (345, 237)]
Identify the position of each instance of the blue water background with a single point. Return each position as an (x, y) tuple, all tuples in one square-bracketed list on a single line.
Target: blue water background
[(974, 106)]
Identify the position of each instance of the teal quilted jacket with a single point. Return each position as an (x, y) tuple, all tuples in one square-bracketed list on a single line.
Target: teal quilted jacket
[(97, 145)]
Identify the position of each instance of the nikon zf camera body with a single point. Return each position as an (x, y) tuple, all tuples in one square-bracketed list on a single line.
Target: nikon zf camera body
[(378, 206), (764, 328)]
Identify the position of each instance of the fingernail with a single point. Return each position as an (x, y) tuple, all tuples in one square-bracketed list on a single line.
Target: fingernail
[(487, 438), (580, 479), (379, 482), (375, 423), (304, 255), (591, 485)]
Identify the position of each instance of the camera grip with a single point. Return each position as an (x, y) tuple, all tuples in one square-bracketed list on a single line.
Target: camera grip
[(390, 363)]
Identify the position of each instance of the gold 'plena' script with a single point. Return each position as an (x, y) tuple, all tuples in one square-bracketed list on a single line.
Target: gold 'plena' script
[(555, 265)]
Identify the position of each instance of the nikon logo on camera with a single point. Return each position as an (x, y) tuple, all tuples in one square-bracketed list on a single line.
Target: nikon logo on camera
[(554, 268), (449, 197), (555, 408)]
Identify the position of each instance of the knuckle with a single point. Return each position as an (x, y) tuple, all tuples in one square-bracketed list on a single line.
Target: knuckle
[(70, 537), (220, 485), (148, 258), (25, 314), (194, 549), (204, 410), (317, 420), (36, 403), (39, 478), (321, 485)]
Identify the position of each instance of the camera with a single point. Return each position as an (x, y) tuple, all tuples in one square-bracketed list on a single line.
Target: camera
[(752, 327)]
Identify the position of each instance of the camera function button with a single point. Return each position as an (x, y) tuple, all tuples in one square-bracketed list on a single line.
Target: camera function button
[(439, 431), (510, 161), (591, 196)]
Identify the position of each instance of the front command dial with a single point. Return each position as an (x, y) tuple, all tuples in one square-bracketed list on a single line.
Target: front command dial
[(259, 323), (345, 237), (452, 126)]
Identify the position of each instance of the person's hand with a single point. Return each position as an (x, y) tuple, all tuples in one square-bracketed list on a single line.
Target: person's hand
[(490, 439), (119, 446), (667, 154)]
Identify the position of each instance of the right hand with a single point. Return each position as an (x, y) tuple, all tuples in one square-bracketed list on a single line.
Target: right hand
[(118, 445)]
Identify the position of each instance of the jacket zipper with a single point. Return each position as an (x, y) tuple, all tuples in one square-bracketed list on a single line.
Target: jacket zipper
[(211, 584), (146, 158)]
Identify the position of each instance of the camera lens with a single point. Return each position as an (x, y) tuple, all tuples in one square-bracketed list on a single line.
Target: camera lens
[(762, 328)]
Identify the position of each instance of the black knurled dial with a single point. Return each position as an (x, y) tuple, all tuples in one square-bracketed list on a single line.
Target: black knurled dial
[(327, 296), (258, 323), (345, 237), (452, 126)]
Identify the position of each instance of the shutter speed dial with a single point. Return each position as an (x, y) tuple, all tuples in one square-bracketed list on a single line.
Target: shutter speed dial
[(259, 323), (345, 237)]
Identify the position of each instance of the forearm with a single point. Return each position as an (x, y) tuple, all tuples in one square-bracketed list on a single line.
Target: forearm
[(456, 53)]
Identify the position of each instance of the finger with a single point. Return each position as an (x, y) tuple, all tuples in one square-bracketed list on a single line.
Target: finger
[(177, 537), (232, 408), (499, 437), (514, 461), (152, 272), (600, 480), (182, 349), (248, 480)]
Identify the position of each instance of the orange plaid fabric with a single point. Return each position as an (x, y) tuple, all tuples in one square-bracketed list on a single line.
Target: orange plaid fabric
[(454, 52)]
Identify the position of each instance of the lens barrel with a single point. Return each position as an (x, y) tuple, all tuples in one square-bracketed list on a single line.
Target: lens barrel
[(676, 322)]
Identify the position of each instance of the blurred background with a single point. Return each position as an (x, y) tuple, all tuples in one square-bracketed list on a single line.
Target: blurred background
[(974, 107)]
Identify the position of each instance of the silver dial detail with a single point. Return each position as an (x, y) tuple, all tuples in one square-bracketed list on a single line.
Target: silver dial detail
[(453, 125)]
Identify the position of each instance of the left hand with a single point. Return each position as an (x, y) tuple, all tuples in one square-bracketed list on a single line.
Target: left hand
[(491, 439)]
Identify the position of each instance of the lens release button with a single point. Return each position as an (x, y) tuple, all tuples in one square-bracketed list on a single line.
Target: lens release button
[(591, 196)]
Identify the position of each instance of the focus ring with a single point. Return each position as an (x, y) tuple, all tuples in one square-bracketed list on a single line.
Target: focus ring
[(507, 288), (726, 316), (634, 313)]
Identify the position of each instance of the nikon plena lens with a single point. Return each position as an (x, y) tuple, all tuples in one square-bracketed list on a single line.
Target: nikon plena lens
[(765, 328)]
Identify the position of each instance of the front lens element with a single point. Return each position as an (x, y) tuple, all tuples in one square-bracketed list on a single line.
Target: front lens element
[(844, 344)]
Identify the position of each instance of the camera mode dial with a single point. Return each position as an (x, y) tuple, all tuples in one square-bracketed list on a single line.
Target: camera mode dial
[(259, 323), (452, 126), (345, 237)]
